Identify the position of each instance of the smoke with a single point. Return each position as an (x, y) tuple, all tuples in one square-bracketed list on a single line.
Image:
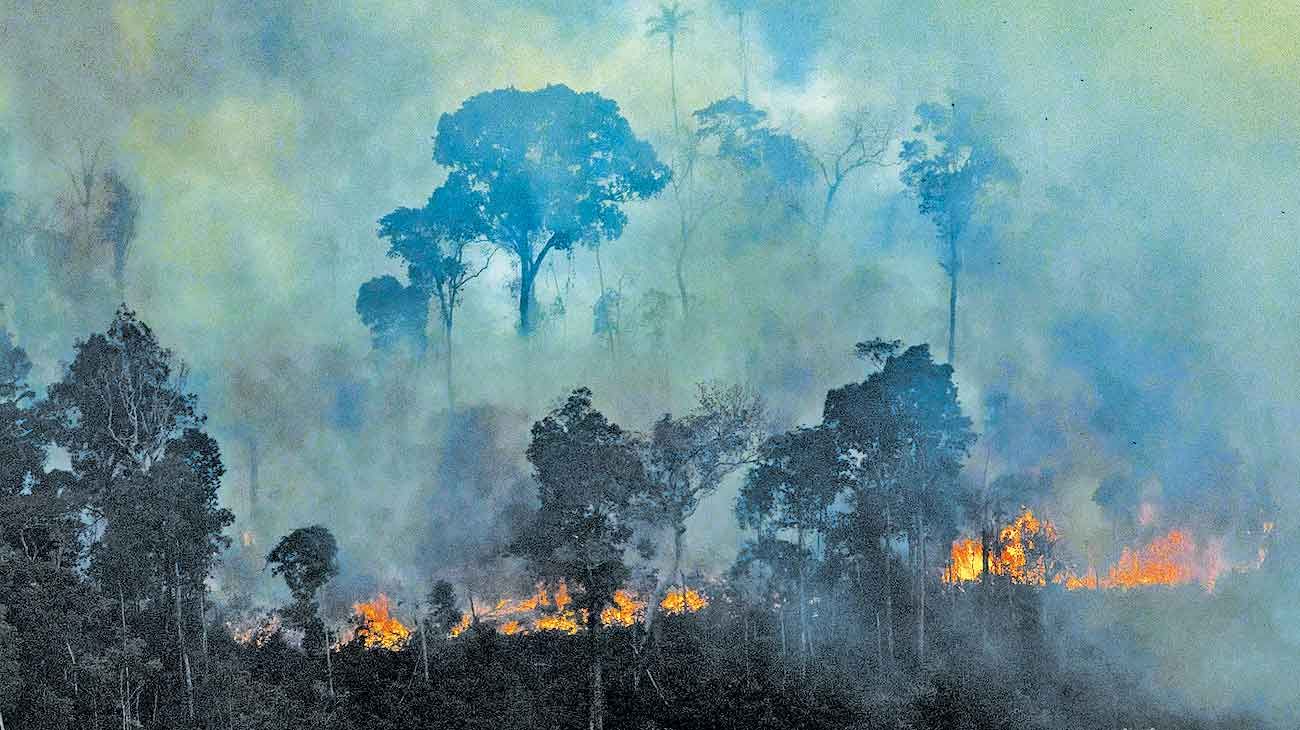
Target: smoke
[(1132, 303)]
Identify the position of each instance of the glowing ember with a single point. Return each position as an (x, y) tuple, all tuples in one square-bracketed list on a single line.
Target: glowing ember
[(679, 601), (376, 628)]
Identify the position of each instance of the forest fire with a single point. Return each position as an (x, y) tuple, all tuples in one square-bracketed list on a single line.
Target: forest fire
[(376, 628), (683, 601), (547, 611), (1022, 552)]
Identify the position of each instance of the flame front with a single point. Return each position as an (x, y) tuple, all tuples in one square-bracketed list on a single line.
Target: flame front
[(547, 611), (1021, 554), (376, 628)]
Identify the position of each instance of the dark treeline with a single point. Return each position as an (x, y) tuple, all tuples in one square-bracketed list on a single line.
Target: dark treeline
[(833, 615)]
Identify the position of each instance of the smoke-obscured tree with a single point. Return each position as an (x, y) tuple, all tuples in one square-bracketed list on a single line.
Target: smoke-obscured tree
[(149, 478), (396, 314), (671, 22), (791, 489), (864, 139), (588, 473), (951, 167), (116, 224), (686, 458), (554, 168), (904, 438), (307, 559), (740, 9), (778, 166), (438, 243)]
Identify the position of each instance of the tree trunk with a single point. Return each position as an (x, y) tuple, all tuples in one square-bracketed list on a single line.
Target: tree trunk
[(329, 661), (679, 534), (744, 56), (921, 573), (424, 650), (252, 479), (889, 584), (952, 300), (672, 77), (803, 613), (831, 189), (527, 280), (609, 325), (596, 715), (180, 642), (679, 268), (447, 364)]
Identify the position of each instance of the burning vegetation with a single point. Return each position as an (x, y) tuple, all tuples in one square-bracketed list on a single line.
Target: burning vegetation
[(1023, 553), (376, 627), (548, 610)]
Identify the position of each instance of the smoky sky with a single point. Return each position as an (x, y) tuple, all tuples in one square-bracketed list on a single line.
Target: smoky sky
[(1133, 297)]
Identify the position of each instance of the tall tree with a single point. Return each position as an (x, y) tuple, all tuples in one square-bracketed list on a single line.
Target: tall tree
[(307, 559), (438, 244), (116, 224), (791, 489), (778, 166), (554, 168), (588, 473), (906, 438), (740, 9), (671, 22), (687, 458), (950, 176), (149, 477), (396, 313), (864, 140)]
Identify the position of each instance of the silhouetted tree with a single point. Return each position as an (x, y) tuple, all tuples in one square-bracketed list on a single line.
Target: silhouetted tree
[(951, 178), (865, 139), (554, 168), (791, 488), (436, 243), (588, 474), (671, 22)]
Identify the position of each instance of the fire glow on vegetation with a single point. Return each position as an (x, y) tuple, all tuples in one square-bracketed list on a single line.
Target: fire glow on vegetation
[(1022, 553), (547, 611), (255, 632), (683, 601), (377, 628)]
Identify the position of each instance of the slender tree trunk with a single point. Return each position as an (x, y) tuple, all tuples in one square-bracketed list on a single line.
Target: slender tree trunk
[(609, 324), (920, 636), (889, 584), (180, 643), (329, 661), (424, 650), (672, 77), (831, 189), (679, 534), (680, 264), (744, 56), (803, 612), (252, 479), (596, 715), (447, 363), (952, 300)]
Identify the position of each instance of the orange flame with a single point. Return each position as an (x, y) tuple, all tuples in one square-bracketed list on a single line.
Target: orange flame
[(1020, 553), (377, 628), (687, 601)]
